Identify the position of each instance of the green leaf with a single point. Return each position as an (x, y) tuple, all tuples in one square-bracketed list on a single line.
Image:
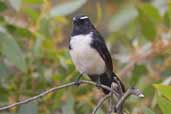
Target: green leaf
[(169, 8), (67, 8), (123, 18), (164, 105), (44, 26), (33, 1), (2, 20), (4, 94), (148, 111), (29, 108), (33, 14), (37, 47), (3, 70), (16, 4), (138, 71), (167, 19), (18, 31), (148, 18), (3, 6), (151, 12), (148, 27), (165, 90), (12, 51)]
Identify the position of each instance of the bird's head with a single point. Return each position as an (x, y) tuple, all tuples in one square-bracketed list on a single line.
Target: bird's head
[(81, 20), (82, 25)]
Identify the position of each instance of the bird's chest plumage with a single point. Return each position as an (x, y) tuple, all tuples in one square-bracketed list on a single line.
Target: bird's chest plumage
[(86, 59)]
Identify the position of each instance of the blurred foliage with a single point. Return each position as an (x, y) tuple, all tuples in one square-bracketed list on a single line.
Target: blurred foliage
[(34, 53)]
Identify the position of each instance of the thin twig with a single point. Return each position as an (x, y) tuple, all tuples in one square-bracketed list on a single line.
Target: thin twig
[(130, 91), (100, 103), (111, 104), (54, 89)]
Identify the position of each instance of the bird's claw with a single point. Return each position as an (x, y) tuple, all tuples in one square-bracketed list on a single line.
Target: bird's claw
[(98, 85), (77, 83)]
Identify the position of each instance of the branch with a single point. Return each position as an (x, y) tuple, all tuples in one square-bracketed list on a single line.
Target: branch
[(101, 102), (113, 93), (54, 89), (111, 105), (130, 91)]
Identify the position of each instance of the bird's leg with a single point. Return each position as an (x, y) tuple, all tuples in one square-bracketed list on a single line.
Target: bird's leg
[(98, 82), (77, 81)]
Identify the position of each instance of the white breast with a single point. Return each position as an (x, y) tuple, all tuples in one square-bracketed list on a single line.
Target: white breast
[(86, 59)]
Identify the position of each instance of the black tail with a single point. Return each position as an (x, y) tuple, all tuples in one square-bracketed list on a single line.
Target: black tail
[(107, 80)]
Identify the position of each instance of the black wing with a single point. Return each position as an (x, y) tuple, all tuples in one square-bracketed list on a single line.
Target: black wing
[(99, 44)]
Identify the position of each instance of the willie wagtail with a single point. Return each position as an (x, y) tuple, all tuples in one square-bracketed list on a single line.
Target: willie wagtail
[(90, 54)]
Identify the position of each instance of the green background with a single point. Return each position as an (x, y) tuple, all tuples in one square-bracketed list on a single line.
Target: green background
[(34, 53)]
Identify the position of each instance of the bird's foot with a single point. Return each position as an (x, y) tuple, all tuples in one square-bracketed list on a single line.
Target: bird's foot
[(77, 82), (98, 85)]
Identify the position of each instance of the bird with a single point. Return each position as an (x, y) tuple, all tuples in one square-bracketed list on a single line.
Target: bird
[(90, 54)]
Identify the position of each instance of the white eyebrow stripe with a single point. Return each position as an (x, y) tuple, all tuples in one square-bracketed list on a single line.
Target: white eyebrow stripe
[(84, 17)]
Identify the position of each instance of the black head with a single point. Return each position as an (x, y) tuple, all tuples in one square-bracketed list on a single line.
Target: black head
[(82, 25)]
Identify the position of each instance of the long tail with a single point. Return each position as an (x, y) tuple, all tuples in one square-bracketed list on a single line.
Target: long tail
[(107, 80)]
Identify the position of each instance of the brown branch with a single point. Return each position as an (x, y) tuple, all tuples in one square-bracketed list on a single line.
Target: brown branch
[(100, 103), (54, 89), (130, 91), (113, 94)]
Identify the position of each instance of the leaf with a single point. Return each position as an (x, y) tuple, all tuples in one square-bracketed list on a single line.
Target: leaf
[(68, 108), (44, 27), (151, 12), (33, 1), (3, 6), (67, 8), (138, 71), (37, 47), (122, 18), (167, 19), (148, 18), (3, 70), (164, 105), (18, 31), (169, 8), (29, 108), (4, 93), (148, 27), (16, 4), (148, 111), (2, 20), (165, 90), (12, 51), (32, 13)]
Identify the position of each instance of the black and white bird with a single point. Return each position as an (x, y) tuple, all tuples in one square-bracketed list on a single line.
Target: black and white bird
[(89, 53)]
